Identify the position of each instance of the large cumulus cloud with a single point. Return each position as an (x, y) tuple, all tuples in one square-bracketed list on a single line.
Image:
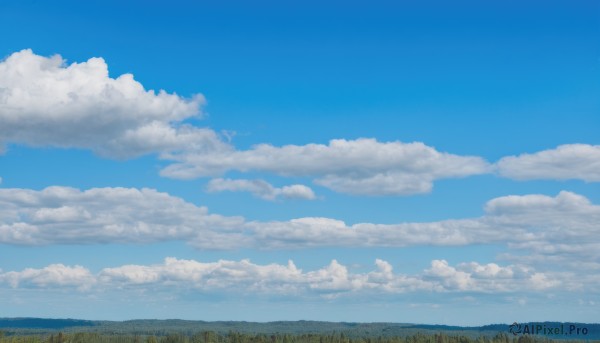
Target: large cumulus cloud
[(46, 102)]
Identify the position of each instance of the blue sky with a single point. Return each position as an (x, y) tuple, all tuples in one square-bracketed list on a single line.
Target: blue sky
[(427, 162)]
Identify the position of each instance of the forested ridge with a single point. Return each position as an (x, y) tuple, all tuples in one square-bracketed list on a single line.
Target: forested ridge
[(39, 330), (236, 337)]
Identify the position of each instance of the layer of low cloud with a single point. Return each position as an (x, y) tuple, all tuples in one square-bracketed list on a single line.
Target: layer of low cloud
[(59, 215), (261, 189), (362, 166), (332, 280), (52, 276), (63, 215), (562, 229), (570, 161), (45, 102), (475, 277)]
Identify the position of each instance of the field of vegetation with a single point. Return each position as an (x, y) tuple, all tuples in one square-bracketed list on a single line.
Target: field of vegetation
[(37, 330), (236, 337)]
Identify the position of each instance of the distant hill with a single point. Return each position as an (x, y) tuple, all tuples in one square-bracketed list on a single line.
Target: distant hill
[(190, 327), (41, 323)]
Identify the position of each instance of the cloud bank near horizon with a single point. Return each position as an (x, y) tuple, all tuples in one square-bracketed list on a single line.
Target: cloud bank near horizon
[(333, 280), (535, 229), (65, 215)]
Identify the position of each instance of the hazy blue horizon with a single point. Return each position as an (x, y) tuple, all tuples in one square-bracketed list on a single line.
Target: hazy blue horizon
[(428, 162)]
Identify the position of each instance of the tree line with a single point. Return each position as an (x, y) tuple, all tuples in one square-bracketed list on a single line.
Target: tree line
[(236, 337)]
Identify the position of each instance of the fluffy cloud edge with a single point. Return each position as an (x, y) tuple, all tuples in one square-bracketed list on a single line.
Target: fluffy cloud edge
[(261, 189), (335, 279), (46, 102)]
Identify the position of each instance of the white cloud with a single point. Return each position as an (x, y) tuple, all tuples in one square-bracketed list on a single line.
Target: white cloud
[(570, 161), (561, 226), (45, 102), (562, 230), (63, 215), (449, 277), (314, 232), (52, 276), (475, 277), (567, 223), (296, 192), (535, 230), (233, 275), (59, 215), (362, 166), (566, 208), (249, 278), (261, 189)]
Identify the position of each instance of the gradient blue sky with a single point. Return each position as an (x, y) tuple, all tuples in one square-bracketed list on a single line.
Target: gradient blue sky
[(485, 80)]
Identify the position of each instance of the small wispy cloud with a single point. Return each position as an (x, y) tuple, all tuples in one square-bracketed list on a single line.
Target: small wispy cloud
[(261, 189)]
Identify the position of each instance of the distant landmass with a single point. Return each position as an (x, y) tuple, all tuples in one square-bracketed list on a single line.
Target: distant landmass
[(554, 330), (42, 323)]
